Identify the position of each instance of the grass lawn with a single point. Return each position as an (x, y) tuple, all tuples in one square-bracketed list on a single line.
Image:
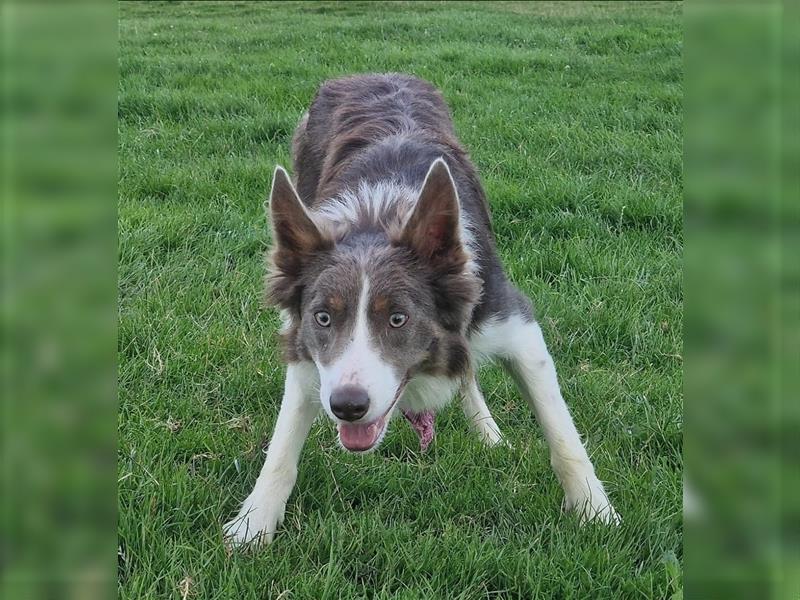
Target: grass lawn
[(573, 115)]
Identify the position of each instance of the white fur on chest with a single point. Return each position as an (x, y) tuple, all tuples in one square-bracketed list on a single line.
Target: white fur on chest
[(497, 338), (428, 392)]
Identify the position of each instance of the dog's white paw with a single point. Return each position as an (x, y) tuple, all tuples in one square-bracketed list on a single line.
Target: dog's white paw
[(256, 523), (591, 502)]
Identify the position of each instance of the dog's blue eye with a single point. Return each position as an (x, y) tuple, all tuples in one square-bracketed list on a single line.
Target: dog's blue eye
[(398, 320), (323, 319)]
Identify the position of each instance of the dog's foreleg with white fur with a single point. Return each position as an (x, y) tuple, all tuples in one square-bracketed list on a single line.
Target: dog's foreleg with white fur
[(532, 367), (262, 511), (477, 412)]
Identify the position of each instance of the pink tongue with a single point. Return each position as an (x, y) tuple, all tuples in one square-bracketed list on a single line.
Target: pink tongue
[(423, 424), (360, 436)]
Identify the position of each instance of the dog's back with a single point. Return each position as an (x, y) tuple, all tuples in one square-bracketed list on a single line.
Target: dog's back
[(373, 126), (390, 128)]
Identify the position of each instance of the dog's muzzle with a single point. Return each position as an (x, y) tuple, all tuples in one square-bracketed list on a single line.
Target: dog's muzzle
[(349, 402)]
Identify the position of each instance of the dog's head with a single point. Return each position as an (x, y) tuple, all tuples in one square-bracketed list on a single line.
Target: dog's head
[(374, 306)]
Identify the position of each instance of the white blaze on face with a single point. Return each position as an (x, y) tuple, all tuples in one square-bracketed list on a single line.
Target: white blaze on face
[(360, 364)]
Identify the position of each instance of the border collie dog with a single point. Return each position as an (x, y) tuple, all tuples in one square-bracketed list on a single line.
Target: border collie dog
[(392, 294)]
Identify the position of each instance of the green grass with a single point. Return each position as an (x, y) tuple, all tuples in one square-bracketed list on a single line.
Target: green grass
[(573, 114)]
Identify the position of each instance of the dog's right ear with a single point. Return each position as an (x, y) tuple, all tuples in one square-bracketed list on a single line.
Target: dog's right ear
[(296, 239), (292, 227)]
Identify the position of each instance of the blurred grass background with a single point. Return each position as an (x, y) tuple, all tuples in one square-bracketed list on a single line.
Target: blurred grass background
[(57, 536)]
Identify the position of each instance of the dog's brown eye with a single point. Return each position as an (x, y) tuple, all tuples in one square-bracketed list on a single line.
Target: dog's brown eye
[(398, 320), (323, 319)]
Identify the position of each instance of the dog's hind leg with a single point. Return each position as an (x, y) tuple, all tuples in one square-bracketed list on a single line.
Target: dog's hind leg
[(532, 367), (477, 412), (262, 511)]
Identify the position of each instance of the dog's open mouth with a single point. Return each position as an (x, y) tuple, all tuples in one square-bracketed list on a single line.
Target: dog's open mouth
[(360, 437)]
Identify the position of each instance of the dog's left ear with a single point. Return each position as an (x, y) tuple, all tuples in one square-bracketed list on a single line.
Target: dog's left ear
[(433, 233), (433, 230)]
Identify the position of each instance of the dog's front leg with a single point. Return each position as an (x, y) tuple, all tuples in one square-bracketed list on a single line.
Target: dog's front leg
[(263, 509), (533, 368), (477, 412)]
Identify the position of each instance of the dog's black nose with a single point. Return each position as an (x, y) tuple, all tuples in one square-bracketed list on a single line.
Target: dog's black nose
[(349, 402)]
